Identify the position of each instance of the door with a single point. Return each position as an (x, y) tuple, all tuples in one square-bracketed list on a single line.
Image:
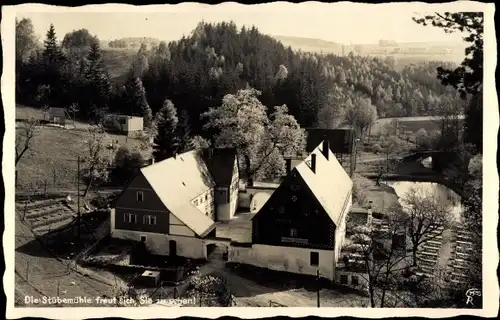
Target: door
[(172, 248)]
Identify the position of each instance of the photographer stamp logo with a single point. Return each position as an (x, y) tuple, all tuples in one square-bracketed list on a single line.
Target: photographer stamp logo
[(471, 295)]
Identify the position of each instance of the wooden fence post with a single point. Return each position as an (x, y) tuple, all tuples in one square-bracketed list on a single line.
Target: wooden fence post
[(54, 177)]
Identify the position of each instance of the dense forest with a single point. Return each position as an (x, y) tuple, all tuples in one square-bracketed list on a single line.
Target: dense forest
[(196, 72)]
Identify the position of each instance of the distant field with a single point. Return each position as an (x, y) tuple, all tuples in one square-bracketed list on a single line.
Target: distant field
[(54, 154), (118, 62), (412, 124)]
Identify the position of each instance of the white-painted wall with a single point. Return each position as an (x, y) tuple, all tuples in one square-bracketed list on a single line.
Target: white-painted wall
[(289, 259), (205, 203), (178, 228), (340, 231), (187, 247)]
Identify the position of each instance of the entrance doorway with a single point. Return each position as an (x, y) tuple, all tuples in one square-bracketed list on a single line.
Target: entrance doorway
[(172, 244)]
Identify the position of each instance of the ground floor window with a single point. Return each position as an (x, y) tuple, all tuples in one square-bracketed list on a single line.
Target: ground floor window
[(354, 280), (343, 279), (130, 218), (151, 220), (314, 258)]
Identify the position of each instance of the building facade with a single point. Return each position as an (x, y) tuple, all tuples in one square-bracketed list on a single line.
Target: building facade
[(172, 205), (301, 227)]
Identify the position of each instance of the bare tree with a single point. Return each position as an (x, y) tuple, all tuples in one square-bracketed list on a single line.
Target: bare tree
[(25, 136), (428, 215), (374, 252), (96, 164), (383, 168), (74, 109), (45, 112)]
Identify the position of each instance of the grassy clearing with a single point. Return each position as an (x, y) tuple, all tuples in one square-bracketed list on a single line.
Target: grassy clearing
[(383, 197), (53, 158), (118, 63)]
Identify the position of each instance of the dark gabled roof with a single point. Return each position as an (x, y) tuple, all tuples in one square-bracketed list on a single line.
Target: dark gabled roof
[(58, 112), (339, 139), (220, 163)]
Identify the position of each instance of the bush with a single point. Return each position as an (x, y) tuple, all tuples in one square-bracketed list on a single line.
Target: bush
[(100, 202), (377, 148), (358, 194)]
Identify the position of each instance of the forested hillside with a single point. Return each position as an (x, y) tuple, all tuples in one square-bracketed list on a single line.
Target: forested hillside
[(216, 59)]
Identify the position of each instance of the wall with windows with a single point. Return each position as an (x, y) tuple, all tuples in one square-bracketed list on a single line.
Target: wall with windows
[(205, 203), (356, 280), (160, 244), (289, 259)]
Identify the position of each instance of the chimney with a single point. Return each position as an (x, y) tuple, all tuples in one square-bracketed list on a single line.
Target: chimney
[(152, 161), (326, 148), (370, 214), (175, 154), (313, 162), (288, 165)]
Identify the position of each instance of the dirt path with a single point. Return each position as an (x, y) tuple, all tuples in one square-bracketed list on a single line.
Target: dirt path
[(48, 276), (249, 293)]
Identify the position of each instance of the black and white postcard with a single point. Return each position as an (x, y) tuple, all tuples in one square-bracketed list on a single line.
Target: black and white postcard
[(293, 159)]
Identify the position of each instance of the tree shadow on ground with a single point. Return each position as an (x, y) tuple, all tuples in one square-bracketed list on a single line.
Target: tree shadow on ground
[(269, 281)]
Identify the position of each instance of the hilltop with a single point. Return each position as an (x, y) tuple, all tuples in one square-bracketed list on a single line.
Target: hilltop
[(403, 52)]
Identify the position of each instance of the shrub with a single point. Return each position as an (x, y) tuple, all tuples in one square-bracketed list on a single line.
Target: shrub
[(377, 148)]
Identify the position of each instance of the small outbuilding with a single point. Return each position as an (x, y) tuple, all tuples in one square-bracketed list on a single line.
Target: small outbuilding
[(126, 124), (150, 278), (58, 116)]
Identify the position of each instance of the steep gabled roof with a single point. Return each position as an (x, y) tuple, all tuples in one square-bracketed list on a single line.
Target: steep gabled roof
[(177, 181), (220, 163), (329, 183)]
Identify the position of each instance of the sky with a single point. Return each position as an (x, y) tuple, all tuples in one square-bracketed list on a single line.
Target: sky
[(352, 23)]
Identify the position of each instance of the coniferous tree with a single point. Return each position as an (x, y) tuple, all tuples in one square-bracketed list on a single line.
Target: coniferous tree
[(136, 101), (97, 86), (166, 142), (53, 63), (52, 52), (183, 131)]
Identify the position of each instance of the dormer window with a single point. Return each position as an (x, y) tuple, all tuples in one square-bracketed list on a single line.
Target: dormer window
[(140, 196)]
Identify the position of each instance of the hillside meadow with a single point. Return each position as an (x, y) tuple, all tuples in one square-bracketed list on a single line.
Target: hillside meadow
[(52, 161)]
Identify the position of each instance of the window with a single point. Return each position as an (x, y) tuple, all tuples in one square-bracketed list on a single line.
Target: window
[(130, 218), (151, 220), (343, 279), (206, 196), (140, 196), (294, 198), (281, 209), (314, 259), (143, 238), (293, 232), (354, 280), (196, 202)]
